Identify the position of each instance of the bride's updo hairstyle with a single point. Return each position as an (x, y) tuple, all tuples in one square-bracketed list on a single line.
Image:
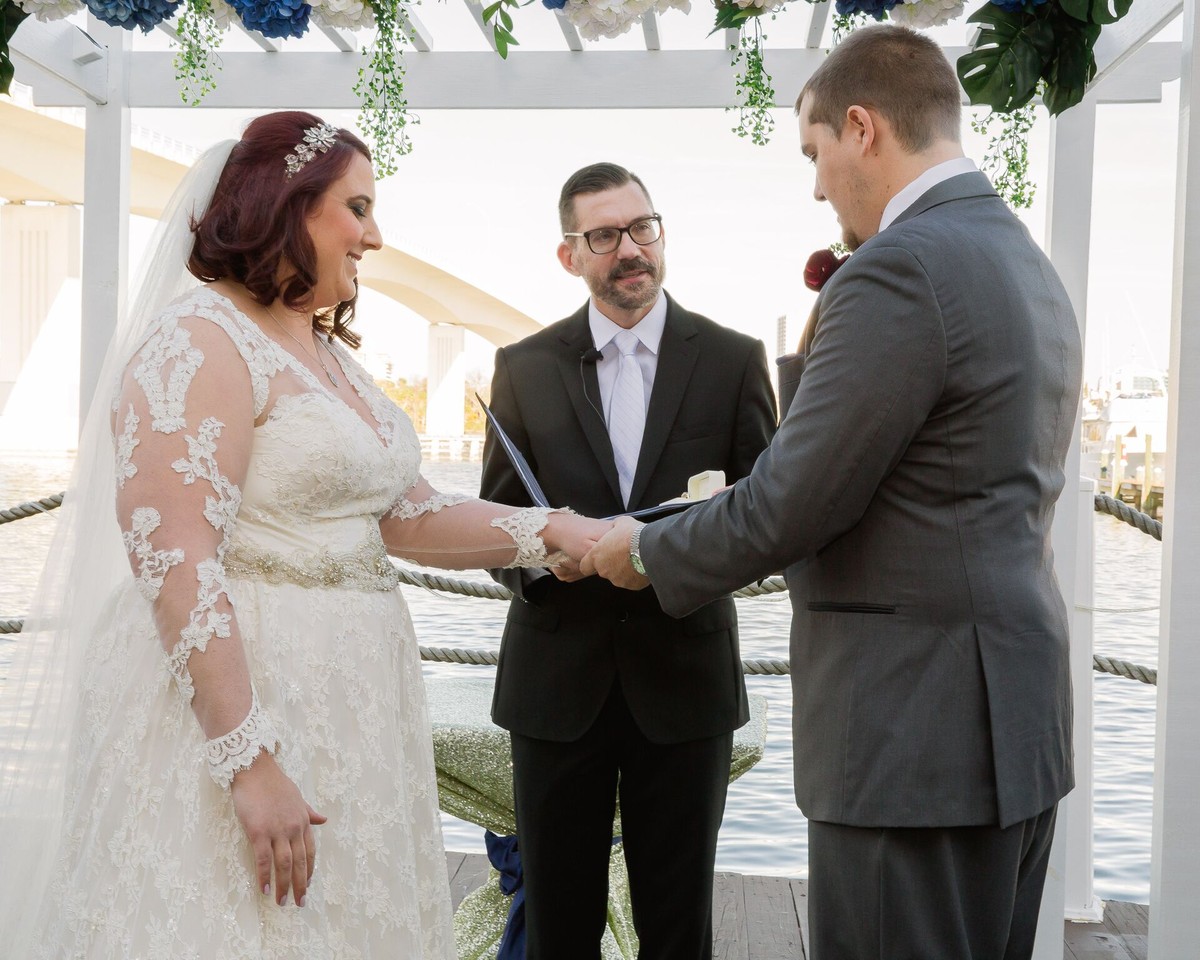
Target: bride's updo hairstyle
[(258, 216)]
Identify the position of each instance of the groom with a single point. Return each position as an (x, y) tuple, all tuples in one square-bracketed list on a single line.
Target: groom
[(909, 493)]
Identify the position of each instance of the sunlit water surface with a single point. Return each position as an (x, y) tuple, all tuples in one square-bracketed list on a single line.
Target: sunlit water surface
[(763, 832)]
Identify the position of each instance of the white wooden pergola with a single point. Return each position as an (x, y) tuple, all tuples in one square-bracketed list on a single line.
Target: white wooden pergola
[(100, 69)]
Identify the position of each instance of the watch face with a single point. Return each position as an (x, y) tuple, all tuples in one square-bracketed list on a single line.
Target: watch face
[(637, 563)]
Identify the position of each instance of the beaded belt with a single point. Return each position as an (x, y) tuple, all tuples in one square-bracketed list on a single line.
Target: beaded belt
[(367, 567)]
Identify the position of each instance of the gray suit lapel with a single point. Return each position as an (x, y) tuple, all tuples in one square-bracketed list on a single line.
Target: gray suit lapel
[(676, 358), (578, 376)]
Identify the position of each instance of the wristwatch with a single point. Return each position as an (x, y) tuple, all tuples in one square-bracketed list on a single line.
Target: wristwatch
[(635, 556)]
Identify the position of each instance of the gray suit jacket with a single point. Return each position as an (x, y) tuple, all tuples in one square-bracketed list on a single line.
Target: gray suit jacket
[(909, 493)]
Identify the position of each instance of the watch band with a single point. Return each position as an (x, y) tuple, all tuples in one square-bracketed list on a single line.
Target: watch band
[(635, 556)]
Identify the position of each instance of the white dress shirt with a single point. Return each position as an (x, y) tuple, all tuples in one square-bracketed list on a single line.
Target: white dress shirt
[(649, 331), (929, 179)]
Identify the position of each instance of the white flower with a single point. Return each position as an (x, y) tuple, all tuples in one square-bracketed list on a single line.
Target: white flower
[(50, 9), (222, 13), (766, 6), (922, 14), (611, 18), (350, 14)]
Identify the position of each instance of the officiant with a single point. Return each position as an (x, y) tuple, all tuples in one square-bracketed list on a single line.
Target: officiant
[(606, 696)]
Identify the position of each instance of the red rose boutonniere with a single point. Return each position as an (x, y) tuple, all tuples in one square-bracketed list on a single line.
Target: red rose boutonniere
[(820, 267)]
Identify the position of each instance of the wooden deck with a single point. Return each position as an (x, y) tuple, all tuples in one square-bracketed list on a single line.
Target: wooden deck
[(765, 918)]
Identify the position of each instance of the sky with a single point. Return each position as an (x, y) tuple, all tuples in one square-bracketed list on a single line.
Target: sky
[(478, 196)]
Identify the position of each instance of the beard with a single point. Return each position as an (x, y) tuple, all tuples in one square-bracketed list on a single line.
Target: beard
[(606, 289), (851, 239)]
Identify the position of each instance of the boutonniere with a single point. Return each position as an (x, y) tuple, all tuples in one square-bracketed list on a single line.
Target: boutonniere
[(820, 267)]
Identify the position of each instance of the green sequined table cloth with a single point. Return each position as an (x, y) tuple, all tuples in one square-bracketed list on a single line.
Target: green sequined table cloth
[(474, 774)]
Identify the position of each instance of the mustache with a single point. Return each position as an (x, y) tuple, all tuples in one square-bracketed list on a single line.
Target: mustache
[(628, 267)]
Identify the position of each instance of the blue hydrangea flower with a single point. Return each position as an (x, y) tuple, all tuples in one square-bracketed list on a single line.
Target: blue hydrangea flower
[(274, 18), (554, 4), (1014, 5), (143, 14), (876, 8)]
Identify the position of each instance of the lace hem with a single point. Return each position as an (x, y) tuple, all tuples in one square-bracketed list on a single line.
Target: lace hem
[(240, 747), (405, 509), (367, 567), (524, 527)]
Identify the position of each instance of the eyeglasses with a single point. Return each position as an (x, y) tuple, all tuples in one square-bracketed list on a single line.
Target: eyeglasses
[(606, 239)]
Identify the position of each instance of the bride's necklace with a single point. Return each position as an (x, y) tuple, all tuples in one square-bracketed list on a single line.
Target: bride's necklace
[(316, 356)]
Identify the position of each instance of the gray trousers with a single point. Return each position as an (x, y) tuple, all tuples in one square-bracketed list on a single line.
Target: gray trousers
[(950, 893)]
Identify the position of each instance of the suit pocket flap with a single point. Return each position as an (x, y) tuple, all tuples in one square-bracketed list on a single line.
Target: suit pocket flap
[(817, 606), (531, 615)]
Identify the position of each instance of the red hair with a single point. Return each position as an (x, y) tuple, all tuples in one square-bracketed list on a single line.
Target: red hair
[(258, 217)]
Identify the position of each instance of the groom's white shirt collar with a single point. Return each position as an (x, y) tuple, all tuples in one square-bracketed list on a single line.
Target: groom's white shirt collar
[(926, 181)]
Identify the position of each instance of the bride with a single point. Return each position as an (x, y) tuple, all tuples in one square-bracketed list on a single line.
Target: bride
[(217, 746)]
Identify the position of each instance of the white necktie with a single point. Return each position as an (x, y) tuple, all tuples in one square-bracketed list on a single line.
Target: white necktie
[(627, 412)]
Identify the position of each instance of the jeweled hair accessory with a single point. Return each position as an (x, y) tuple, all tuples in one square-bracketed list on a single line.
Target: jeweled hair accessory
[(320, 137)]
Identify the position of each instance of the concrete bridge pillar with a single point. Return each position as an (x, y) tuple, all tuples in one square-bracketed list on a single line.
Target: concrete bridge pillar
[(447, 382), (39, 252)]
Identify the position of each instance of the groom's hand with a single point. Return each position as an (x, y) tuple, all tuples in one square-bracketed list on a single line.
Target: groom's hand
[(610, 557)]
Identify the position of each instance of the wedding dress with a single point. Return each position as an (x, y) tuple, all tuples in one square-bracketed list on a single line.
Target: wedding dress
[(154, 863)]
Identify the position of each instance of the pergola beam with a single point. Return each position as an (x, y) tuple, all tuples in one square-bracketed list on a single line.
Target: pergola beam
[(650, 30), (63, 52), (818, 14), (416, 31), (570, 34), (1121, 40), (343, 41)]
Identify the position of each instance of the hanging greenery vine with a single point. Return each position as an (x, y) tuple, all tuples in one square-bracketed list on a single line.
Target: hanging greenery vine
[(385, 117), (196, 60), (753, 86), (1007, 159), (845, 24)]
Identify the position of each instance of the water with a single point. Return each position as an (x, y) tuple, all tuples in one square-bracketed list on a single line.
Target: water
[(763, 832)]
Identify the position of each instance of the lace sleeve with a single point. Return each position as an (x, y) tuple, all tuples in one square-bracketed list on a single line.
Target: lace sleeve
[(459, 532), (186, 415)]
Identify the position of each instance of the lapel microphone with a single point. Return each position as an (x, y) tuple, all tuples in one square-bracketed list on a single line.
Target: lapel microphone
[(590, 356)]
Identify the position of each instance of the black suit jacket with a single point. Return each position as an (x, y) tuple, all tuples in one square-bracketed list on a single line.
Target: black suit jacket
[(564, 643)]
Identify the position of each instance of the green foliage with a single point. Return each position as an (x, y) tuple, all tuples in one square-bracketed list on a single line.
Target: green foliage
[(196, 59), (385, 117), (845, 24), (1049, 45), (502, 24), (1006, 62), (10, 18), (732, 17), (753, 86), (1007, 158)]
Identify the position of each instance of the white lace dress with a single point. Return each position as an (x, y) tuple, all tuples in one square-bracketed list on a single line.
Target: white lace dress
[(254, 504)]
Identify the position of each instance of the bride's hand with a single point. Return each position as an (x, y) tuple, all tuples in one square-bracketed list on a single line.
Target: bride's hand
[(278, 823), (572, 534)]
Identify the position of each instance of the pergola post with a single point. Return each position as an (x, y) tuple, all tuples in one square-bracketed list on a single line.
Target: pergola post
[(106, 212), (1068, 243), (1175, 836)]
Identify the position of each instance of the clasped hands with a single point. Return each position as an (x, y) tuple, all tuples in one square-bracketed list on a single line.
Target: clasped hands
[(598, 547)]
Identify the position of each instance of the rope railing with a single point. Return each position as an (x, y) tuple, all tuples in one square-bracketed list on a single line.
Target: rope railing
[(755, 667), (32, 508), (1123, 511)]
